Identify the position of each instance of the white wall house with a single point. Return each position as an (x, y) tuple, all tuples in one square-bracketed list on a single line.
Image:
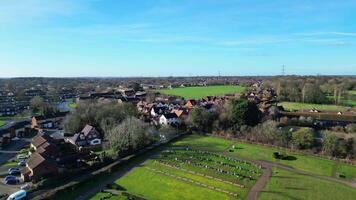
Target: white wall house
[(168, 119)]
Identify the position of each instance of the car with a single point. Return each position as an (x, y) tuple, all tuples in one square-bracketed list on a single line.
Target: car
[(15, 172), (9, 177), (13, 168), (22, 157), (18, 195), (22, 163), (12, 182)]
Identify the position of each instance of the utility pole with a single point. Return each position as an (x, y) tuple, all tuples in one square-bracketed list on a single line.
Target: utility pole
[(283, 70)]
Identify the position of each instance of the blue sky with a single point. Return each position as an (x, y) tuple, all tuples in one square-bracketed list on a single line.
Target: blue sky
[(69, 38)]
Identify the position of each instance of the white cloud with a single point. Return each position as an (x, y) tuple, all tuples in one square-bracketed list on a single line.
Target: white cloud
[(331, 33)]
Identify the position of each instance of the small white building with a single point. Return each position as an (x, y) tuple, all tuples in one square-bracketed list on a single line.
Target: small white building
[(168, 119)]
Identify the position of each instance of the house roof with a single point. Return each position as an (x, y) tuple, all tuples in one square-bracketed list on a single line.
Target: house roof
[(48, 149), (86, 130), (177, 112), (35, 160), (170, 115), (40, 139), (159, 110)]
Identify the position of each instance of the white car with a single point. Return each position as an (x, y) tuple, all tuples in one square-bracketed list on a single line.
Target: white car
[(18, 195), (95, 142)]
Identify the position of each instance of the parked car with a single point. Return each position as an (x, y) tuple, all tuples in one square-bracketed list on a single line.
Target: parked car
[(22, 157), (15, 172), (22, 163), (13, 168), (19, 195), (12, 182), (9, 177)]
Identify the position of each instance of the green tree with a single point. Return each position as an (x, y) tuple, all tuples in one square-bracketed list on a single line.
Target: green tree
[(245, 113), (128, 136), (37, 104), (303, 138), (201, 119)]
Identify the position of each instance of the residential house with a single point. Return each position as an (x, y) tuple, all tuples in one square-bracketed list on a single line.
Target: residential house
[(89, 136), (157, 111), (38, 167), (168, 119), (190, 104), (39, 140), (49, 150)]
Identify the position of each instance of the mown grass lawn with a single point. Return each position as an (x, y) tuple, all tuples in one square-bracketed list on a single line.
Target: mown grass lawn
[(2, 123), (205, 143), (307, 106), (151, 185), (311, 164), (307, 163), (346, 170), (285, 185), (10, 163), (200, 92)]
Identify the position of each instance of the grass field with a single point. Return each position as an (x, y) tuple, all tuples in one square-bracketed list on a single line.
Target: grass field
[(2, 123), (200, 92), (303, 162), (288, 185), (203, 167), (307, 106), (191, 174)]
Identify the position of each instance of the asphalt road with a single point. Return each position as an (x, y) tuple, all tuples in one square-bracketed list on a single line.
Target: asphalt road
[(11, 151), (5, 155)]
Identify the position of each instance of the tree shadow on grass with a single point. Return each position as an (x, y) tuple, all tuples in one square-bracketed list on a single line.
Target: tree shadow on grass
[(290, 158), (296, 188)]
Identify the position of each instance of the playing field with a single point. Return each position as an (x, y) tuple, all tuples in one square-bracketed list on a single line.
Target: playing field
[(291, 106), (200, 92), (288, 185)]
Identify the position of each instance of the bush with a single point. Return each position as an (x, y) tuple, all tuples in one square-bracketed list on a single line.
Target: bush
[(303, 138), (351, 128)]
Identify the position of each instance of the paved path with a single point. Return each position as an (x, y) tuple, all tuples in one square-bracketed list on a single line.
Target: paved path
[(260, 184)]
